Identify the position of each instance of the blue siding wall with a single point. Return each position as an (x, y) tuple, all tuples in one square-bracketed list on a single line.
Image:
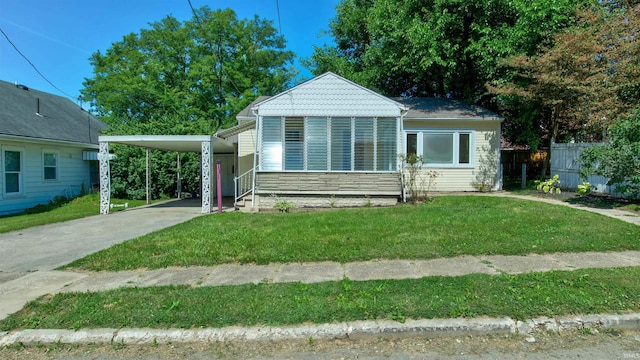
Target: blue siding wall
[(72, 175)]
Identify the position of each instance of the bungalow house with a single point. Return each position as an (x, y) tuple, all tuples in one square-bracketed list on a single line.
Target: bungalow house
[(48, 148), (331, 141)]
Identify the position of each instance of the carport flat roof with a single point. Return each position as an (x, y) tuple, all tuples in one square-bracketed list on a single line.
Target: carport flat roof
[(181, 143)]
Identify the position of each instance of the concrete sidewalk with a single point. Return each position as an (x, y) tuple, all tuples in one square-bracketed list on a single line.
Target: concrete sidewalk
[(14, 294)]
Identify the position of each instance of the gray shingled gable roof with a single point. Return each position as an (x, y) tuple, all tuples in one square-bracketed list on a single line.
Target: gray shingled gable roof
[(60, 119), (444, 109), (246, 112), (419, 109)]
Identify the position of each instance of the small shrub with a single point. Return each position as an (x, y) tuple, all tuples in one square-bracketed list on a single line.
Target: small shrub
[(584, 189), (332, 201), (282, 204), (549, 186), (482, 186), (368, 202)]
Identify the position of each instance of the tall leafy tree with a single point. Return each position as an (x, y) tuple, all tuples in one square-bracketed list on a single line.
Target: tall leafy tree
[(435, 47), (182, 78), (586, 80)]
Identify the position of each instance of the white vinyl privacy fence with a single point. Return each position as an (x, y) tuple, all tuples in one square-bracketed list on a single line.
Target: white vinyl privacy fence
[(565, 161)]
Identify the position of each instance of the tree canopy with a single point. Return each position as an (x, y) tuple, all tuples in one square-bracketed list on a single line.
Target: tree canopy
[(188, 78), (585, 81), (436, 47), (183, 78)]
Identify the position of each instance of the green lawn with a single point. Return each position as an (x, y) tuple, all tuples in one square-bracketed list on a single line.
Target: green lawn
[(75, 209), (448, 226), (587, 291)]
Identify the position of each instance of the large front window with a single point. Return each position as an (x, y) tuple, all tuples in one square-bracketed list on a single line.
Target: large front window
[(328, 144), (441, 148)]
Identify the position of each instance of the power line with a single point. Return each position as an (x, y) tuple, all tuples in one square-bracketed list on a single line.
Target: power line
[(279, 23), (219, 58), (32, 65)]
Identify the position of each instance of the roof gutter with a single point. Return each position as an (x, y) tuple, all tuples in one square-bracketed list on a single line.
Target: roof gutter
[(49, 141)]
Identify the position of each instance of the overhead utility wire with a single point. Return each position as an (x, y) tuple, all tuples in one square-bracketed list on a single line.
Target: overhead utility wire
[(204, 34), (32, 65), (279, 23)]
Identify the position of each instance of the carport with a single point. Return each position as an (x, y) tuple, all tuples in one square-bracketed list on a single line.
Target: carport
[(206, 145)]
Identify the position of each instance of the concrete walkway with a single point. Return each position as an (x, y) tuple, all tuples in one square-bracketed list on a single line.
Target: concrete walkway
[(14, 293)]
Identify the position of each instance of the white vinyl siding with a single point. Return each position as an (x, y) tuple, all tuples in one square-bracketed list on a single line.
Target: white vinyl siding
[(329, 144), (73, 173), (484, 148)]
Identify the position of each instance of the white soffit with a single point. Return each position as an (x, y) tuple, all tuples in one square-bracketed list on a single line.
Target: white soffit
[(181, 143), (329, 95)]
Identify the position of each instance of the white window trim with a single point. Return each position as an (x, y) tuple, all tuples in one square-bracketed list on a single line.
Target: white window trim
[(21, 175), (57, 154), (456, 147)]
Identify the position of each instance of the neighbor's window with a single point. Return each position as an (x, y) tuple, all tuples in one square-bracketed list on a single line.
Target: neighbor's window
[(443, 148), (12, 172), (50, 160)]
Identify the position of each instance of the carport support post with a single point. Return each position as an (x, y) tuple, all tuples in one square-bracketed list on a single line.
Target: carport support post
[(179, 191), (105, 178), (207, 177), (148, 180), (219, 186)]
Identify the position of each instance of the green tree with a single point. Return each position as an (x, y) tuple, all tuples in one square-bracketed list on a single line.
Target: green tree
[(619, 159), (577, 87), (436, 47), (183, 78)]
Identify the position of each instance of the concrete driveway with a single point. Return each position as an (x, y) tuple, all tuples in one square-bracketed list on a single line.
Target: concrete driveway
[(50, 246)]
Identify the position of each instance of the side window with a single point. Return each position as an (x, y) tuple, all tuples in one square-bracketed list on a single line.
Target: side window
[(13, 172), (50, 162)]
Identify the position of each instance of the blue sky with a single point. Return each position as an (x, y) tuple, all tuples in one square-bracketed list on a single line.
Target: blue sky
[(59, 36)]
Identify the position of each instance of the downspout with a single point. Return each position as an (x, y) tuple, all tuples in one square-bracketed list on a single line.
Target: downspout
[(255, 156)]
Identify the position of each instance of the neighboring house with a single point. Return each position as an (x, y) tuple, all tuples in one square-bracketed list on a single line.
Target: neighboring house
[(48, 148), (330, 140)]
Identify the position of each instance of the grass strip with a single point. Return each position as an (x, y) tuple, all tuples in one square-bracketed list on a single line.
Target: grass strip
[(449, 226), (521, 296), (77, 208)]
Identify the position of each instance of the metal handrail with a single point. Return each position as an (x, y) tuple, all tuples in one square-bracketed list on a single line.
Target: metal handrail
[(242, 185)]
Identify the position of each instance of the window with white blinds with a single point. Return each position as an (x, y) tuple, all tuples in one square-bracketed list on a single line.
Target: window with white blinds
[(386, 144), (329, 144), (363, 145), (317, 143), (294, 144), (271, 152), (341, 144)]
